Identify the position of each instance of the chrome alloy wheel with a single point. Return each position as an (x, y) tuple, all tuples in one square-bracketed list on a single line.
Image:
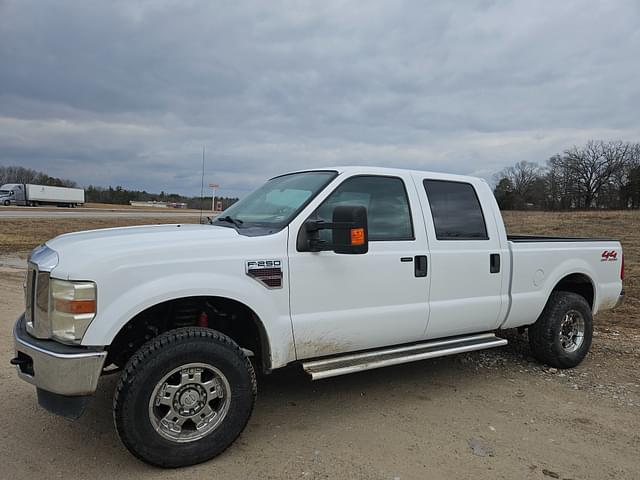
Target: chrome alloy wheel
[(572, 331), (189, 402)]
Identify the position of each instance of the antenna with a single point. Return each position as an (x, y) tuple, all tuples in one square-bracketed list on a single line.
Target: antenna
[(202, 186)]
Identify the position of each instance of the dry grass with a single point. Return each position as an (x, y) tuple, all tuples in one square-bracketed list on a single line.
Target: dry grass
[(20, 235), (110, 207), (161, 211)]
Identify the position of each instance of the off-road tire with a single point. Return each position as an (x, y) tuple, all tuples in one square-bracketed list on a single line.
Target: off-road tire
[(146, 369), (544, 335)]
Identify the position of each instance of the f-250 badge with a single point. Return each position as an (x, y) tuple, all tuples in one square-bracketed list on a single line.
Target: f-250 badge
[(251, 264), (267, 272)]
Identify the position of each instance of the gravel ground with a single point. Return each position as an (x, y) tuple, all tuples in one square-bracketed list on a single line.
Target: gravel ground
[(490, 414)]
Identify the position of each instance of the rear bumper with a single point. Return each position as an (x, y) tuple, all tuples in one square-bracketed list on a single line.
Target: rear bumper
[(56, 368)]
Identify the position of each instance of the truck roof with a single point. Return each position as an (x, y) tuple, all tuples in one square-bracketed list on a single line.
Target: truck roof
[(368, 170)]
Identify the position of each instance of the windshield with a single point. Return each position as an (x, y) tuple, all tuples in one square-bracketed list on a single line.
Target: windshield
[(276, 203)]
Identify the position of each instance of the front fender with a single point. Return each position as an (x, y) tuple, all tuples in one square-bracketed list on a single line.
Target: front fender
[(122, 306)]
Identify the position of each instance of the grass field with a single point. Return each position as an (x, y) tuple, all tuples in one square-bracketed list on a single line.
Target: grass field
[(20, 235), (164, 211), (112, 207)]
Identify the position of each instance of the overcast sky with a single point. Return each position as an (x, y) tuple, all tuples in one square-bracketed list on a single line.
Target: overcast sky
[(125, 92)]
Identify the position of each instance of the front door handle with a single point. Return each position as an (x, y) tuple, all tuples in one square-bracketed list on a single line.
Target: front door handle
[(494, 263), (420, 266)]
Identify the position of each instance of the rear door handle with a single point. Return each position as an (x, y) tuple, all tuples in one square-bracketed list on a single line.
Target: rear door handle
[(420, 266), (494, 263)]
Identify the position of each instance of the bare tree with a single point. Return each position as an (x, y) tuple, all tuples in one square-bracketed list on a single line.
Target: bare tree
[(592, 167), (617, 154), (523, 180), (631, 190), (13, 174), (558, 185)]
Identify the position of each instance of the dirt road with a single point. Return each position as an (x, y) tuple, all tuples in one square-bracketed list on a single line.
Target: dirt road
[(493, 414)]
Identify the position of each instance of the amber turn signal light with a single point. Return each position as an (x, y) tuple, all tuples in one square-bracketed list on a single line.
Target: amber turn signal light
[(357, 236), (76, 307)]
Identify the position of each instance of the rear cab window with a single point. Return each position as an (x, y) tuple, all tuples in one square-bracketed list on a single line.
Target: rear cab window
[(456, 210)]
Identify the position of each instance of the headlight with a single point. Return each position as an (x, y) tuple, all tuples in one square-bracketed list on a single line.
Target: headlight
[(71, 308)]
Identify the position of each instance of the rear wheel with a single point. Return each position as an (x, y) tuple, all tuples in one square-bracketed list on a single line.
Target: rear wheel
[(562, 335), (184, 397)]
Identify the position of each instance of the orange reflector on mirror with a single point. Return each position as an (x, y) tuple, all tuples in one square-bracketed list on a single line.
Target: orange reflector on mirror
[(76, 307), (357, 236)]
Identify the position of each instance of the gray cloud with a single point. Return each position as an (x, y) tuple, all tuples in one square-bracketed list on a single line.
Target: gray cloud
[(128, 92)]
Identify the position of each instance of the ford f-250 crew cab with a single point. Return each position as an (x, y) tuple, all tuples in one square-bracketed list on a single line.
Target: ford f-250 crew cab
[(336, 270)]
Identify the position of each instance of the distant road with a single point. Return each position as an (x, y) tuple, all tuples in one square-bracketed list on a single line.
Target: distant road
[(94, 213)]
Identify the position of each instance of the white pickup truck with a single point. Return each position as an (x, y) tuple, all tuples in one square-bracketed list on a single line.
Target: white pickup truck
[(335, 270)]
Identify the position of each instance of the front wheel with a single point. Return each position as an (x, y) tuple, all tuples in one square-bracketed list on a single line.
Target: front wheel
[(184, 397), (562, 336), (7, 203)]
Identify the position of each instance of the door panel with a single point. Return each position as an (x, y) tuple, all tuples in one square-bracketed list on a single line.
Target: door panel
[(465, 296), (342, 303)]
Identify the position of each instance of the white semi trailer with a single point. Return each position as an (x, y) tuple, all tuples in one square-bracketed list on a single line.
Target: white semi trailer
[(33, 195)]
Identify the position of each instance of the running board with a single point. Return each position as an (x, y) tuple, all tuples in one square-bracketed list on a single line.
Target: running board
[(357, 362)]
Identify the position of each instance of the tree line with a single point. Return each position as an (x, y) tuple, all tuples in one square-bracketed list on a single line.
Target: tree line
[(13, 174), (122, 196), (115, 195), (597, 175)]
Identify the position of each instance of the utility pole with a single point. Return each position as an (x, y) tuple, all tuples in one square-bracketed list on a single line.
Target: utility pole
[(202, 186)]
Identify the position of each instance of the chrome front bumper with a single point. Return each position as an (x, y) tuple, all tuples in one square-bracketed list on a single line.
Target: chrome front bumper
[(54, 367)]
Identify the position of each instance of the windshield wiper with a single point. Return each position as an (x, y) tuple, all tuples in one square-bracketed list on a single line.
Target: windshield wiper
[(228, 218)]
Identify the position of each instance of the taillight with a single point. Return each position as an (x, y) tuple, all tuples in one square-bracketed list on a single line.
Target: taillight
[(622, 268)]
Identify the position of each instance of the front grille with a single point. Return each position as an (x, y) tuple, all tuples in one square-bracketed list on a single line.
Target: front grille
[(28, 294), (37, 302)]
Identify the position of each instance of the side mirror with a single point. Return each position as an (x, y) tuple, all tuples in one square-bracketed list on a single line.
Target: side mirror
[(354, 239), (349, 232)]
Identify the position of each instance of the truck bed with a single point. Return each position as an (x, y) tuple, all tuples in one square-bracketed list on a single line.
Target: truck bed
[(539, 263)]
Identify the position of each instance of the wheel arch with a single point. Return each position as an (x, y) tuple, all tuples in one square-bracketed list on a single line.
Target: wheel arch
[(225, 314), (579, 283)]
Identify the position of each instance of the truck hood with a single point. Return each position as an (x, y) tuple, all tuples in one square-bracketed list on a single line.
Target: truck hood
[(82, 255)]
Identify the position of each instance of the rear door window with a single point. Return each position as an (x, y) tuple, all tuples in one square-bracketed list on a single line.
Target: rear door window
[(456, 210)]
